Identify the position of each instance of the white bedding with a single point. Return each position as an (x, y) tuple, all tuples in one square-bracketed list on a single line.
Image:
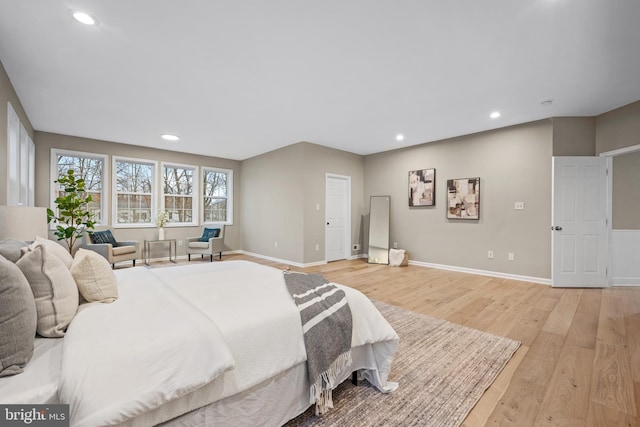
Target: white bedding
[(183, 337), (38, 384), (130, 356)]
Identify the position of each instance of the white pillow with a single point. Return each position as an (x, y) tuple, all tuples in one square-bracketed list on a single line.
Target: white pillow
[(54, 248), (94, 277), (53, 287)]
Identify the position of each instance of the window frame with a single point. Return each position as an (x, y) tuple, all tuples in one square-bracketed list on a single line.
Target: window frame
[(195, 191), (20, 162), (229, 197), (114, 192), (53, 174)]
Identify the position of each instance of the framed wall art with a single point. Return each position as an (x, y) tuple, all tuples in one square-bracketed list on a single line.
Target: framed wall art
[(463, 198), (422, 187)]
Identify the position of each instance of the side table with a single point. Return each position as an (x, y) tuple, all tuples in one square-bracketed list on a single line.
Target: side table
[(170, 242)]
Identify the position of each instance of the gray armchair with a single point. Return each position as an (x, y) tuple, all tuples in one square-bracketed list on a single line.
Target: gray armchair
[(113, 250), (214, 245)]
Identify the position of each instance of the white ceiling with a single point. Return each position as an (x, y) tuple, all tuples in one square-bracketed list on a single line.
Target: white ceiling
[(238, 78)]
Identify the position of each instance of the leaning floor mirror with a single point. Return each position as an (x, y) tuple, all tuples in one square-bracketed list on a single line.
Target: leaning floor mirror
[(379, 230)]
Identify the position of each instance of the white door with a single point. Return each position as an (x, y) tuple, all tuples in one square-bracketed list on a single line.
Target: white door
[(579, 222), (337, 217)]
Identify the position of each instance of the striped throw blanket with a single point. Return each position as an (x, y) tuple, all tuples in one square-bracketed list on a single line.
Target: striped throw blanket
[(327, 327)]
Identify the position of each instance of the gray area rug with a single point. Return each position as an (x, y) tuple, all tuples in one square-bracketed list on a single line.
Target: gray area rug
[(442, 368)]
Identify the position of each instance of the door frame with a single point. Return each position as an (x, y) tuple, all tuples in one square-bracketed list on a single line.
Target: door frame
[(347, 228), (610, 155)]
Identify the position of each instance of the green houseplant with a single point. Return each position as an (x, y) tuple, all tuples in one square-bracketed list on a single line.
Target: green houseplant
[(73, 216)]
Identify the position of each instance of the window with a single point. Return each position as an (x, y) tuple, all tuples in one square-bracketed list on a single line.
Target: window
[(179, 190), (90, 167), (21, 162), (217, 195), (134, 196)]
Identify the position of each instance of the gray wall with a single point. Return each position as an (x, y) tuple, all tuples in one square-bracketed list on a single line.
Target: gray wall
[(616, 129), (626, 192), (8, 94), (46, 141), (272, 204), (279, 197), (318, 161), (514, 164), (574, 136)]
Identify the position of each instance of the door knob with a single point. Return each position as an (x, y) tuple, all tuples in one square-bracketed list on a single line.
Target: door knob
[(557, 228)]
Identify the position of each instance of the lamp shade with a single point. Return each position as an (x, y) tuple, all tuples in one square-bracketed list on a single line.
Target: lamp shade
[(23, 222)]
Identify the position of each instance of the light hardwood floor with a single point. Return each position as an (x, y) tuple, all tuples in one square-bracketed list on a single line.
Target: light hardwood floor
[(579, 362)]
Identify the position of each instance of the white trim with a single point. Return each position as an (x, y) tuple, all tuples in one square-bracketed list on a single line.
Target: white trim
[(620, 151), (53, 175), (499, 274), (114, 194), (626, 257), (229, 173), (347, 234), (282, 261), (611, 279), (13, 156), (195, 191), (626, 281)]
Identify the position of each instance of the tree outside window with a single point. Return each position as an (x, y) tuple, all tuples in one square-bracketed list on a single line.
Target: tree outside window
[(216, 195), (178, 187), (91, 169), (134, 191)]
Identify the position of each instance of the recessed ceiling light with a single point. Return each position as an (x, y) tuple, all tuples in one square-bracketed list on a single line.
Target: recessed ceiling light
[(169, 137), (495, 114), (399, 137), (83, 17)]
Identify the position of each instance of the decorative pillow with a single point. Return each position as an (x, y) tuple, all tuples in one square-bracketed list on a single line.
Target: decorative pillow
[(17, 319), (103, 237), (55, 249), (11, 249), (209, 233), (95, 279), (54, 289)]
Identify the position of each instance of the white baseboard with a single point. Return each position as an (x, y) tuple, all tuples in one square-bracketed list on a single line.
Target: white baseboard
[(419, 264), (626, 281), (283, 261), (483, 272)]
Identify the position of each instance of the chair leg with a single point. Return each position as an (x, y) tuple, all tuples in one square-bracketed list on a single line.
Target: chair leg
[(134, 262), (220, 256), (189, 257), (113, 266), (211, 256)]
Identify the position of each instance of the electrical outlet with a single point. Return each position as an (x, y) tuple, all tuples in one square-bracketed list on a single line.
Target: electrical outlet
[(317, 247), (275, 244), (519, 206), (395, 245), (490, 254), (511, 256), (179, 242), (356, 246)]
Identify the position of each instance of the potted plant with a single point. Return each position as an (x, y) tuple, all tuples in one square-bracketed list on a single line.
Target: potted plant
[(73, 216)]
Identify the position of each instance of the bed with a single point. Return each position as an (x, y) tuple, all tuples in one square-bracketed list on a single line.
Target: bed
[(193, 345)]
